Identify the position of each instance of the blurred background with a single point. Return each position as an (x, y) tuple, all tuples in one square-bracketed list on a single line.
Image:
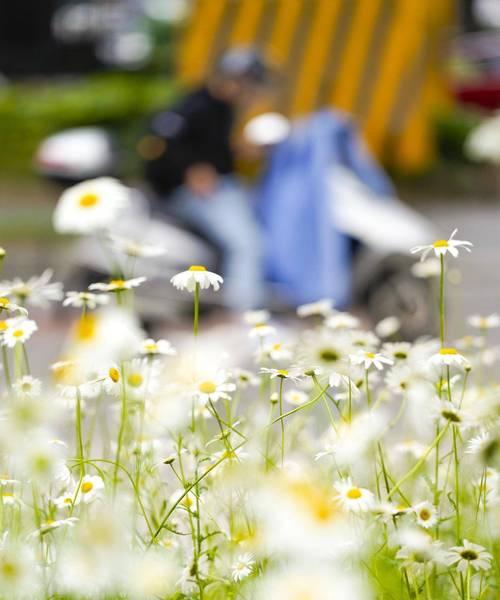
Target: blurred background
[(418, 76)]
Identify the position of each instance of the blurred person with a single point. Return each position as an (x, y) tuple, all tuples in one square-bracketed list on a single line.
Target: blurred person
[(193, 175)]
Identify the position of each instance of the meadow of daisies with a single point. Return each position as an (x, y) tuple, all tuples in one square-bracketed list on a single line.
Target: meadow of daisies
[(340, 464)]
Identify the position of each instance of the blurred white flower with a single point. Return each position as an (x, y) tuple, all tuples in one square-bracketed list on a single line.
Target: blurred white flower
[(196, 274), (369, 359), (7, 305), (134, 249), (150, 347), (427, 268), (449, 357), (90, 206), (36, 291), (85, 299), (117, 285), (27, 386), (484, 322), (342, 320), (19, 330), (243, 566), (387, 327), (321, 308)]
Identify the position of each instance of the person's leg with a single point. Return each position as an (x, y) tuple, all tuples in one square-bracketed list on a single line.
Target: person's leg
[(227, 218)]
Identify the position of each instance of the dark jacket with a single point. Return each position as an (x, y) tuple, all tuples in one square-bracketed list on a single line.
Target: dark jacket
[(195, 130)]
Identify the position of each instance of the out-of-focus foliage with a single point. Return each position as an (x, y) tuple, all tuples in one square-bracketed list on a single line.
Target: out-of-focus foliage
[(30, 111), (452, 129)]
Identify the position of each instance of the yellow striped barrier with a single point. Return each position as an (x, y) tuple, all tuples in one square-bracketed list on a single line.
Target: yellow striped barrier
[(376, 59)]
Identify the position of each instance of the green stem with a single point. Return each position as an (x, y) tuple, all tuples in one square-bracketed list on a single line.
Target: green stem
[(282, 422), (420, 462), (78, 431), (121, 431), (196, 309), (441, 301), (6, 368)]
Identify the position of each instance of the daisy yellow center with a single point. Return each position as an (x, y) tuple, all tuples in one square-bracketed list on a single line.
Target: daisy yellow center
[(276, 346), (68, 500), (425, 514), (447, 351), (328, 355), (354, 493), (114, 374), (440, 244), (86, 328), (207, 387), (151, 348), (318, 504), (4, 302), (135, 379), (87, 487), (282, 373), (9, 570), (117, 284), (88, 200), (3, 325), (369, 355), (26, 386), (197, 268), (17, 333)]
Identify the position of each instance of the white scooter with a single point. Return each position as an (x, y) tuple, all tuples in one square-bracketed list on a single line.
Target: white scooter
[(382, 279)]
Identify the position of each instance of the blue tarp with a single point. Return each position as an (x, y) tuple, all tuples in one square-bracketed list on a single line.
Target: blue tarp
[(307, 258)]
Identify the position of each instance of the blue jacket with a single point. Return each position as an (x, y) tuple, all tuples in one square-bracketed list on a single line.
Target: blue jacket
[(307, 258)]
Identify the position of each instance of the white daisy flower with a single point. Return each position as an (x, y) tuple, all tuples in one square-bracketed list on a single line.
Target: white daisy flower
[(135, 249), (196, 275), (342, 320), (321, 308), (426, 514), (484, 322), (18, 330), (295, 397), (7, 305), (85, 299), (292, 374), (151, 347), (256, 317), (425, 269), (117, 285), (275, 351), (442, 247), (36, 291), (243, 566), (91, 488), (353, 498), (51, 525), (369, 359), (469, 555), (387, 327), (27, 386), (66, 501), (214, 388), (478, 443), (90, 206), (261, 330), (449, 357)]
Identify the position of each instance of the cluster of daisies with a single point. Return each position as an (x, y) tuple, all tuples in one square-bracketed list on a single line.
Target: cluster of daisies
[(326, 462)]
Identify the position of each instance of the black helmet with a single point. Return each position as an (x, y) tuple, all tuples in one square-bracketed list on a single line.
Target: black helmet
[(246, 63)]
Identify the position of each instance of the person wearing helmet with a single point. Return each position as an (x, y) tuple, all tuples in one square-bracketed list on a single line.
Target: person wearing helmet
[(192, 171)]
